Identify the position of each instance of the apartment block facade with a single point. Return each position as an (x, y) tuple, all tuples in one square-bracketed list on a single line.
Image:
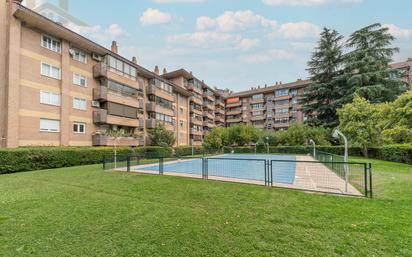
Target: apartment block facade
[(58, 88), (207, 106), (273, 107)]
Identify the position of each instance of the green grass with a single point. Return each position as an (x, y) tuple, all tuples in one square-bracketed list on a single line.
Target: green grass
[(83, 211)]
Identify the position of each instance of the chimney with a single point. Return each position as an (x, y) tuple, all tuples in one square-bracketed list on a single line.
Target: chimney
[(134, 59), (156, 70), (31, 4), (64, 4), (164, 71), (114, 47)]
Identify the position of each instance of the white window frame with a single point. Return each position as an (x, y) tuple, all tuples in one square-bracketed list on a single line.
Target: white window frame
[(49, 130), (47, 94), (79, 53), (51, 47), (50, 74), (79, 99), (80, 78), (78, 126)]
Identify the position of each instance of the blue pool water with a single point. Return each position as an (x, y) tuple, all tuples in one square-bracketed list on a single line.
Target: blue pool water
[(242, 166)]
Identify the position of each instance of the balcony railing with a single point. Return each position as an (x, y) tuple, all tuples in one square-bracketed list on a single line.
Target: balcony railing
[(103, 94), (102, 117), (153, 90), (154, 107), (103, 140)]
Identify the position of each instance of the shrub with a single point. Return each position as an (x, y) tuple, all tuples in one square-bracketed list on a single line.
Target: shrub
[(187, 150)]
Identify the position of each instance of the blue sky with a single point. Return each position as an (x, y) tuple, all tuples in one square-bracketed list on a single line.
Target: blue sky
[(234, 44)]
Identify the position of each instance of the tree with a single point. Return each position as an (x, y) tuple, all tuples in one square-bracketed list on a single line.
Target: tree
[(160, 136), (242, 135), (367, 69), (359, 121), (217, 138), (396, 124), (323, 96)]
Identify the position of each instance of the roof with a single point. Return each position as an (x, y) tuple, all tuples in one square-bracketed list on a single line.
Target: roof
[(187, 75), (296, 84), (400, 65), (34, 20)]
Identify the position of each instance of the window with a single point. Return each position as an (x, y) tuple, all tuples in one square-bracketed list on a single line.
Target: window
[(282, 92), (79, 80), (121, 89), (50, 71), (257, 106), (294, 92), (80, 104), (162, 117), (254, 114), (257, 97), (282, 110), (121, 67), (181, 124), (79, 55), (50, 43), (282, 102), (120, 110), (79, 127), (49, 98), (47, 125)]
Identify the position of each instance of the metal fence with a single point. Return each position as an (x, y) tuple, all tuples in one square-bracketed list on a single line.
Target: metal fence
[(325, 174)]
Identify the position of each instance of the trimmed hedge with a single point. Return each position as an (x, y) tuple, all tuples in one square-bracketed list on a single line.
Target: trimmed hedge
[(27, 159), (187, 150)]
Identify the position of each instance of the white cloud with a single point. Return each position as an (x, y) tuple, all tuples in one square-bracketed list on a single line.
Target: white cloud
[(232, 21), (310, 2), (398, 32), (178, 1), (98, 33), (155, 17), (203, 38), (271, 55), (297, 30), (246, 43)]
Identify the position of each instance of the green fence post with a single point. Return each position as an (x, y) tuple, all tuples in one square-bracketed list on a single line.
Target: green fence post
[(161, 166), (104, 162), (365, 170), (128, 163), (370, 180)]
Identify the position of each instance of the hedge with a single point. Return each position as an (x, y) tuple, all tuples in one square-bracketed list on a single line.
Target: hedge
[(27, 159)]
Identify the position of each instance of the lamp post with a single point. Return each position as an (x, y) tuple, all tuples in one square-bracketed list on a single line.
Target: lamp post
[(267, 143), (311, 141), (336, 134)]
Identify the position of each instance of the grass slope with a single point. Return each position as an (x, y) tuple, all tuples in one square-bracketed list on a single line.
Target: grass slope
[(83, 211)]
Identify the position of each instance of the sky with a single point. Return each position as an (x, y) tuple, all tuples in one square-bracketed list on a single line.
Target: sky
[(235, 44)]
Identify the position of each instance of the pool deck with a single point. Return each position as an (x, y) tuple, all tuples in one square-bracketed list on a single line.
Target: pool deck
[(310, 175)]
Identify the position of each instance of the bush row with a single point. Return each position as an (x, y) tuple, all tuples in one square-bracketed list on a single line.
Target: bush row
[(26, 159)]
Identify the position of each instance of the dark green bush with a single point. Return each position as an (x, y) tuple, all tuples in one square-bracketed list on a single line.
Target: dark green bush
[(187, 150), (155, 151)]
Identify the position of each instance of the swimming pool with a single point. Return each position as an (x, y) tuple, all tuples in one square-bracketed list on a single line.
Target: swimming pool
[(239, 166)]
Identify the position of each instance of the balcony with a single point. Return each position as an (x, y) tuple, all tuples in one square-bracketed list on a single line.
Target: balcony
[(196, 132), (208, 124), (197, 111), (153, 90), (282, 125), (192, 88), (234, 120), (220, 111), (209, 97), (151, 123), (208, 105), (233, 112), (220, 104), (208, 115), (257, 101), (283, 97), (259, 117), (196, 100), (153, 107), (196, 121), (102, 140), (219, 119), (101, 70), (102, 117), (105, 95), (230, 105)]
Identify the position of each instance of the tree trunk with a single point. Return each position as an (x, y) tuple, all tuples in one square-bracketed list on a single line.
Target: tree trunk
[(365, 151)]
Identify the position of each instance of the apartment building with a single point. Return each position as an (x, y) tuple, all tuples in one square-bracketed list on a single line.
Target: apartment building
[(58, 88), (273, 107), (405, 70), (206, 104)]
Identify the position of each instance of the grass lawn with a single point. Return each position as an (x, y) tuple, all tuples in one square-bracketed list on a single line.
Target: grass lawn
[(83, 211)]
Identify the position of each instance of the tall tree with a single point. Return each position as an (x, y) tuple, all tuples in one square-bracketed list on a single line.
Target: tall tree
[(367, 69), (160, 136), (322, 97)]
